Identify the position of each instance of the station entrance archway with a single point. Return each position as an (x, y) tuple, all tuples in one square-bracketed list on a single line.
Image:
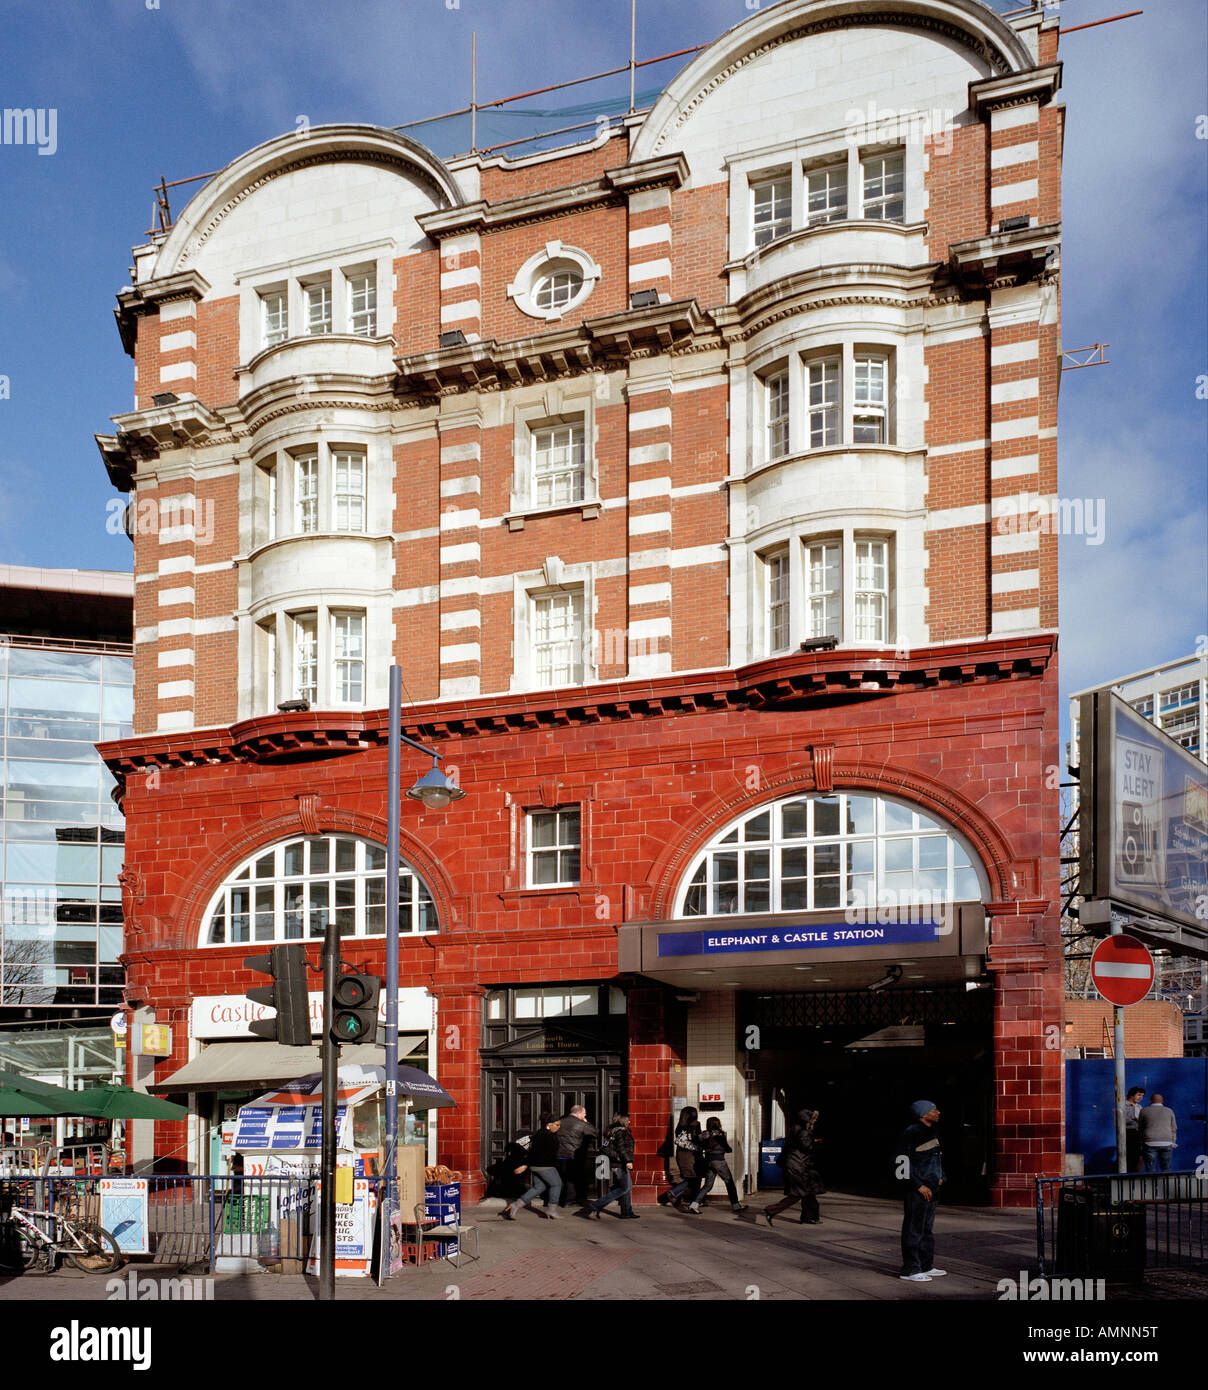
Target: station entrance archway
[(860, 1058)]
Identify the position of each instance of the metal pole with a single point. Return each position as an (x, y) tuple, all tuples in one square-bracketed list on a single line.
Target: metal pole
[(327, 1158), (393, 817), (1118, 1054), (473, 96), (633, 28)]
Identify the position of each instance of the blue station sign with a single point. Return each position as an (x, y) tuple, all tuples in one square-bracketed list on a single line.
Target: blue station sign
[(812, 936)]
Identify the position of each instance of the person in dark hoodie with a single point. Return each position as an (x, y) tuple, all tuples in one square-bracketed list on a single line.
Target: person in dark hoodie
[(921, 1169), (714, 1148), (618, 1148), (801, 1181), (542, 1168)]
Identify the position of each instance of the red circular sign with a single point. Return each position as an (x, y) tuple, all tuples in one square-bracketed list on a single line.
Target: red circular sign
[(1122, 969)]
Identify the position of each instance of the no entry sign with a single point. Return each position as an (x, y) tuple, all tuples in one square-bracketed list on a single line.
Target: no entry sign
[(1122, 969)]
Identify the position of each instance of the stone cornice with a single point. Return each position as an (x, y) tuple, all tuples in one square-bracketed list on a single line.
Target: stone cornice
[(1025, 254), (992, 93), (895, 287), (801, 681), (593, 345), (136, 300), (666, 170)]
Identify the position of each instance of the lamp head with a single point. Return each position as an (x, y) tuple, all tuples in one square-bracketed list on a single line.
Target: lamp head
[(434, 789)]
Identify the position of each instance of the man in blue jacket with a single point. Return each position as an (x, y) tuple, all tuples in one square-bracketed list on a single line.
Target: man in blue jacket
[(921, 1170)]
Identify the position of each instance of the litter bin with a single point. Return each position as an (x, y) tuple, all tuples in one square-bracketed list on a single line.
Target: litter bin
[(769, 1163), (1098, 1239)]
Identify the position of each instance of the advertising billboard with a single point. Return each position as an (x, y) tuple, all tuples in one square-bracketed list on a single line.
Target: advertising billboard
[(1143, 839)]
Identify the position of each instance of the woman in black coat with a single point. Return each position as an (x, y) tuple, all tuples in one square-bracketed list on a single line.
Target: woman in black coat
[(687, 1158), (801, 1181), (714, 1148)]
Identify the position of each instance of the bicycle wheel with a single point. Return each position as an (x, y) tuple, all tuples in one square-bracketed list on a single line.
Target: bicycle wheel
[(98, 1252), (18, 1250)]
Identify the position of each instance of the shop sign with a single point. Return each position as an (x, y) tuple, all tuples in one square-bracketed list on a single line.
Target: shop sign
[(712, 1093), (815, 936), (231, 1015), (153, 1040)]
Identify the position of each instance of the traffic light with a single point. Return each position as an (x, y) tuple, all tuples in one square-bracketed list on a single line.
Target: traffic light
[(287, 994), (354, 1008)]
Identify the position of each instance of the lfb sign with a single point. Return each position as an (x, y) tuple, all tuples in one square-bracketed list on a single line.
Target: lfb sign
[(711, 1093)]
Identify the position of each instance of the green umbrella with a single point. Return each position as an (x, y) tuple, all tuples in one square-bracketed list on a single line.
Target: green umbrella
[(122, 1103), (15, 1102)]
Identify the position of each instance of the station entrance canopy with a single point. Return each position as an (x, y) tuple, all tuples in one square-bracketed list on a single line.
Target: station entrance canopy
[(783, 950)]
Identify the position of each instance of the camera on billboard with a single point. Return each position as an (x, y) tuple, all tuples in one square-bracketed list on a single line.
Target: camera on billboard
[(1138, 841)]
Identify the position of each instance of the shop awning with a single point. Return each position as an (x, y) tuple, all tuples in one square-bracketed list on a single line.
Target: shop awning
[(233, 1064)]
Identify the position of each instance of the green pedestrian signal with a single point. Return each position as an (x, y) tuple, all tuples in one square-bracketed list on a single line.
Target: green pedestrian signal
[(355, 1008)]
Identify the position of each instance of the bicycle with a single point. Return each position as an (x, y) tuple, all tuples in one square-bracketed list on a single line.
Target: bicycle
[(40, 1236)]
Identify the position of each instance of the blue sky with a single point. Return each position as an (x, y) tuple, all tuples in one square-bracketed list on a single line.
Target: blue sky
[(183, 86)]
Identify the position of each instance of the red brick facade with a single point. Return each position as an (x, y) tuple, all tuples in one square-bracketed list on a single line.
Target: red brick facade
[(958, 717)]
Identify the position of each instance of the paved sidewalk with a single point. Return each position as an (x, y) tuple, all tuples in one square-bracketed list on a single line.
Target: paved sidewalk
[(667, 1255)]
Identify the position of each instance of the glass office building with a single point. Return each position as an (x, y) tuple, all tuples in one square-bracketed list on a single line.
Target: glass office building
[(66, 683)]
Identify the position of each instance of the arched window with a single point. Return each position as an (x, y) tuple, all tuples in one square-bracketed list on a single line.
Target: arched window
[(288, 891), (817, 852)]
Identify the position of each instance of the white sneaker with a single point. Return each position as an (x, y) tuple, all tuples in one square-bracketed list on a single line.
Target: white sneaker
[(553, 1213), (693, 1207), (935, 1273), (916, 1278)]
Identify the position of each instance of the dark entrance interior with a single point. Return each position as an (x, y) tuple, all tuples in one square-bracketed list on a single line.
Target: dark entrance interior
[(861, 1058)]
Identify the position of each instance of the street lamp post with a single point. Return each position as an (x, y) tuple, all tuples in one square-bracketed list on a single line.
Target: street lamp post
[(435, 791)]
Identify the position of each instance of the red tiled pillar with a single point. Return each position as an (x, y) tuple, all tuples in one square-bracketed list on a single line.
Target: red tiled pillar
[(656, 1048), (1029, 1074), (458, 1035)]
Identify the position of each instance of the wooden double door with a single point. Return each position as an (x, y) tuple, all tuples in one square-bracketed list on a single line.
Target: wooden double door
[(517, 1096)]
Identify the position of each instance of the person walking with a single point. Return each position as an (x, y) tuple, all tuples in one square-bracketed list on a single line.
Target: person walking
[(1132, 1128), (919, 1155), (617, 1147), (801, 1181), (1159, 1134), (542, 1168), (576, 1141), (714, 1148), (687, 1155)]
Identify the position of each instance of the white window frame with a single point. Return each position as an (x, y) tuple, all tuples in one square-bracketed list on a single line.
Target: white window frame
[(348, 657), (777, 392), (870, 589), (575, 470), (362, 322), (874, 178), (570, 599), (831, 180), (771, 207), (778, 599), (824, 602), (319, 325), (304, 655), (870, 397), (554, 257), (274, 315), (824, 401), (348, 501), (562, 845), (860, 859), (306, 492), (360, 895)]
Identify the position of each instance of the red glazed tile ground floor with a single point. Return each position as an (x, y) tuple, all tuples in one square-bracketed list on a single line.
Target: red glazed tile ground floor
[(757, 920)]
